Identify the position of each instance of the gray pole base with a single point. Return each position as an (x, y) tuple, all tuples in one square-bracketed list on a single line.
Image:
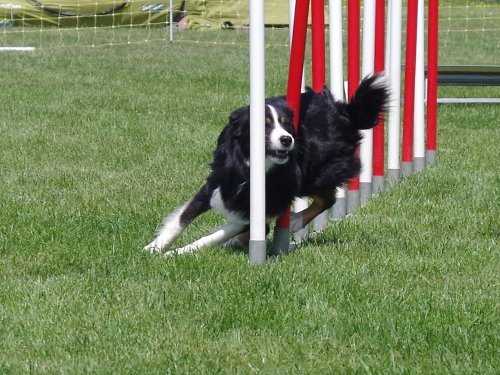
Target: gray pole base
[(378, 184), (418, 164), (430, 157), (365, 192), (352, 201), (281, 242), (321, 221), (392, 176), (406, 168), (257, 251), (339, 209), (300, 235)]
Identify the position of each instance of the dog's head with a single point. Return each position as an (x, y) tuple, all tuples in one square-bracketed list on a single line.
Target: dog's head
[(278, 131)]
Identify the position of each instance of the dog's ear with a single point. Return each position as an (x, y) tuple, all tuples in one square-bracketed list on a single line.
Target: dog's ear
[(319, 107), (235, 138), (239, 120), (328, 96)]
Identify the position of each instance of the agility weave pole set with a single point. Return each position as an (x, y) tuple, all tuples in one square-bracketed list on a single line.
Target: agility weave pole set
[(418, 146)]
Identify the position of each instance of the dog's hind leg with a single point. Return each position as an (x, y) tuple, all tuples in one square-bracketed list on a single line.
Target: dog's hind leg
[(320, 203), (220, 235), (176, 222)]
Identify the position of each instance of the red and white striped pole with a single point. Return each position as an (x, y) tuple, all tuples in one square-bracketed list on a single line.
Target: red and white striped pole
[(352, 84), (432, 81), (293, 94), (409, 88)]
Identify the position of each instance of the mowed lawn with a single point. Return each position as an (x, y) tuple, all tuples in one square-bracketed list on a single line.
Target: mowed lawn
[(98, 144)]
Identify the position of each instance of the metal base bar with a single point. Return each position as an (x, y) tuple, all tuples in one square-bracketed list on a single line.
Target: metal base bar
[(321, 221), (418, 164), (339, 209), (430, 157), (378, 184), (365, 192), (257, 251), (406, 168), (392, 176), (300, 235), (281, 242), (352, 201)]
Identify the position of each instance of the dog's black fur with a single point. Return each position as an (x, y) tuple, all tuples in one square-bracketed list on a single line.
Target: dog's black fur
[(320, 157)]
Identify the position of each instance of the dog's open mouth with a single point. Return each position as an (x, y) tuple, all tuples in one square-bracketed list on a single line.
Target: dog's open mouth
[(281, 155)]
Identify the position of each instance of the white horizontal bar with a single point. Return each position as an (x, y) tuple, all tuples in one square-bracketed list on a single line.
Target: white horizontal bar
[(467, 100), (20, 49)]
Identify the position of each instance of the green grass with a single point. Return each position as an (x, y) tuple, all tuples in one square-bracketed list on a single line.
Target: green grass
[(97, 144)]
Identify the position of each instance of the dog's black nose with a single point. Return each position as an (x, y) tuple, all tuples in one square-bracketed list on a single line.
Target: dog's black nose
[(286, 140)]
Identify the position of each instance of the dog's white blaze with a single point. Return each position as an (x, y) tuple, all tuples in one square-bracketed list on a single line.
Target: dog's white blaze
[(278, 131)]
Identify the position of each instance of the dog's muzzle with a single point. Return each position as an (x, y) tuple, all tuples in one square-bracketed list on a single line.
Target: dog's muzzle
[(280, 155)]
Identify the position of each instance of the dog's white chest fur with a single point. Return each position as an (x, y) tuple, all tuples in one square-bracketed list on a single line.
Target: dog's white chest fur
[(217, 204)]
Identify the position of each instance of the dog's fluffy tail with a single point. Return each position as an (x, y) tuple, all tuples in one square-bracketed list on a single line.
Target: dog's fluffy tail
[(368, 102)]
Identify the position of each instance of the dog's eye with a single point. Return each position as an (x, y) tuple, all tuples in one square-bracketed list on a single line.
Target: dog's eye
[(269, 121), (284, 120)]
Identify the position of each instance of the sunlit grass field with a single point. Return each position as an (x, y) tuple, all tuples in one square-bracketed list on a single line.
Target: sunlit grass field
[(98, 144)]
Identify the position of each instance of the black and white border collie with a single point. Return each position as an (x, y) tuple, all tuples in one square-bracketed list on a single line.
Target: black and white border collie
[(312, 163)]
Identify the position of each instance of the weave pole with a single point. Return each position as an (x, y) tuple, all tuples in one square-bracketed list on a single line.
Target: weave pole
[(257, 243), (419, 115), (409, 89), (171, 21), (295, 70), (337, 82), (366, 145), (352, 84), (378, 180), (318, 71), (318, 44), (394, 68), (432, 81), (299, 203)]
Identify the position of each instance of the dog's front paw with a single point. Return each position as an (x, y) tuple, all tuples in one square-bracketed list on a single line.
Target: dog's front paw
[(181, 250), (153, 247), (159, 243)]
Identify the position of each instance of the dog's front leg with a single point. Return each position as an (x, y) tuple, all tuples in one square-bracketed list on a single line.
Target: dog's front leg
[(171, 229), (220, 235), (175, 223)]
